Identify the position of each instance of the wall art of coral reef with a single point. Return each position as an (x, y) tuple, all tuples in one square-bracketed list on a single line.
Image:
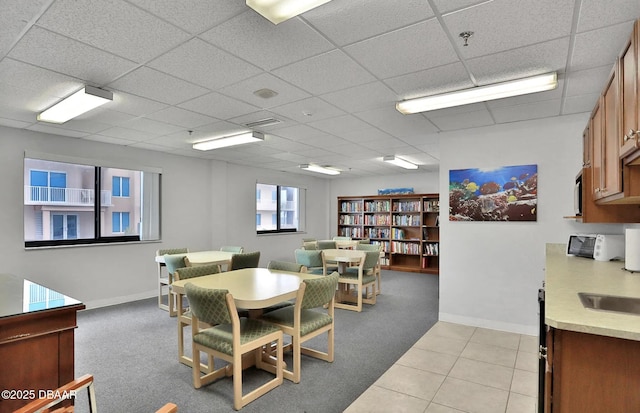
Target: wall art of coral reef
[(507, 193)]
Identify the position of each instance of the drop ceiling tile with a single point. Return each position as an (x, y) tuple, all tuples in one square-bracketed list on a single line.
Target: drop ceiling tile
[(362, 97), (152, 126), (56, 130), (410, 49), (298, 132), (192, 16), (203, 64), (152, 84), (422, 139), (431, 81), (522, 62), (527, 111), (579, 104), (351, 21), (219, 106), (109, 139), (244, 91), (599, 13), (181, 117), (455, 110), (364, 135), (504, 24), (598, 47), (113, 25), (10, 110), (396, 124), (14, 18), (52, 51), (175, 140), (127, 134), (36, 79), (262, 115), (106, 116), (87, 126), (447, 6), (463, 121), (15, 95), (340, 125), (308, 110), (12, 123), (264, 44), (325, 73), (586, 82), (530, 98)]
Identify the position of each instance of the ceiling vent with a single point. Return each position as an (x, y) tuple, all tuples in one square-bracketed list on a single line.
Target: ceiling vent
[(263, 123)]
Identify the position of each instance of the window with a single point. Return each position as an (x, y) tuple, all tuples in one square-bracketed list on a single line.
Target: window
[(75, 202), (282, 211)]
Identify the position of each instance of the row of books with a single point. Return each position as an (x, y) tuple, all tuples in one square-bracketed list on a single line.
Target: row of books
[(350, 219), (377, 206), (406, 220), (405, 247), (350, 206), (377, 220), (431, 249), (377, 232), (431, 206), (401, 206), (351, 232)]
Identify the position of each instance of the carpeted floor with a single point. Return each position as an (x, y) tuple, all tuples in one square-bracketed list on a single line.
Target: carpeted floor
[(131, 349)]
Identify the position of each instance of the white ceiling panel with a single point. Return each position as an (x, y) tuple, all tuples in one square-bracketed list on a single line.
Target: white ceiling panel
[(536, 110), (597, 13), (362, 97), (245, 89), (308, 110), (181, 117), (593, 48), (15, 17), (579, 104), (465, 121), (586, 82), (441, 79), (219, 106), (396, 124)]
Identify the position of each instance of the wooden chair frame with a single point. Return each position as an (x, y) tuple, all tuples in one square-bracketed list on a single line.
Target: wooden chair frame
[(43, 405), (344, 289)]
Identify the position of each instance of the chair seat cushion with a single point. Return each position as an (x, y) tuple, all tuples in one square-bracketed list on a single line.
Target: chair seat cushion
[(310, 320), (278, 306), (220, 337), (367, 278)]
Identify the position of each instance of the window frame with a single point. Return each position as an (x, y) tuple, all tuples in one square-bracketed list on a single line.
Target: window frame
[(300, 209)]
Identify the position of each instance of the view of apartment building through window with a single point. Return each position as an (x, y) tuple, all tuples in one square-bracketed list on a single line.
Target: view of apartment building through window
[(277, 208)]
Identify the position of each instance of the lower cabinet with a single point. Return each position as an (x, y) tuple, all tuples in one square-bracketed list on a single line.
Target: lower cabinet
[(590, 373)]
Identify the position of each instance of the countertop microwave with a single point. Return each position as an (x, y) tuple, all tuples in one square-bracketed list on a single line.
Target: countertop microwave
[(600, 247)]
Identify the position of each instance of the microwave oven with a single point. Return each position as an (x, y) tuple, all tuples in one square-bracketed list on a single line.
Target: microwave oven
[(600, 247)]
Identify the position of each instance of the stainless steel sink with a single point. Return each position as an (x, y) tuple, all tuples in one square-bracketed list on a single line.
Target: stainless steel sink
[(628, 305)]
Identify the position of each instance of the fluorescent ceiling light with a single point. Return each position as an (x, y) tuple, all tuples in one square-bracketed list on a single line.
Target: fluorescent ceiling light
[(224, 141), (319, 169), (479, 94), (82, 101), (277, 11), (400, 162)]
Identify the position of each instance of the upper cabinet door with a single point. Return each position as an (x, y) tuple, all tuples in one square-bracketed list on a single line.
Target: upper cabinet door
[(611, 164), (630, 108)]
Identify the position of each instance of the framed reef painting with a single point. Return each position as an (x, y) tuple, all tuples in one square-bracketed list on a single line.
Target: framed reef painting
[(506, 193)]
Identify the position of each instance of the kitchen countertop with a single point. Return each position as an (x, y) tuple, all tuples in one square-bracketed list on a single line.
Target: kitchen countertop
[(566, 276)]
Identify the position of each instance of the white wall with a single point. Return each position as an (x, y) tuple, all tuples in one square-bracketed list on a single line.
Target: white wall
[(490, 272), (205, 204)]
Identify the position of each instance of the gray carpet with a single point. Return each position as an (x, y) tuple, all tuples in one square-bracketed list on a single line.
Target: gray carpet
[(131, 349)]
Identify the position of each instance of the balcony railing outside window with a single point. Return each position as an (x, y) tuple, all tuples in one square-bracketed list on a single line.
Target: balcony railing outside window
[(46, 195)]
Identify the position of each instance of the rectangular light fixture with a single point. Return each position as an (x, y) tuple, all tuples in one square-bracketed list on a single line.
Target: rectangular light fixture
[(82, 101), (524, 86), (319, 169), (232, 140), (277, 11), (399, 162)]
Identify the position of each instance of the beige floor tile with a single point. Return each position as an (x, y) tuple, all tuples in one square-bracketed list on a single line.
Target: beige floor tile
[(451, 330), (438, 408), (380, 400), (490, 354), (528, 344), (496, 338), (527, 361), (525, 382), (414, 382), (519, 403), (427, 360), (471, 397), (482, 373), (441, 344)]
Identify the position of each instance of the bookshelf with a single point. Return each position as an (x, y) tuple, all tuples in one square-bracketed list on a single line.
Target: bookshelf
[(407, 227)]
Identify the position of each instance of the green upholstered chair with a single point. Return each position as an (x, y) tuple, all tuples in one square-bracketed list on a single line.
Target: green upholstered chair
[(172, 262), (310, 245), (364, 241), (377, 270), (230, 338), (307, 319), (310, 259), (327, 245), (165, 281), (359, 278), (245, 260), (285, 266), (339, 238), (308, 240), (232, 248)]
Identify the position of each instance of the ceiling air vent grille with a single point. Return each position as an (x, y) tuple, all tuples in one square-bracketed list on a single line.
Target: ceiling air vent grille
[(263, 123)]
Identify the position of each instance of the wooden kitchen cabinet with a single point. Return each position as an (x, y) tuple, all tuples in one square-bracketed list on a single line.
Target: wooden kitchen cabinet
[(590, 373), (629, 98)]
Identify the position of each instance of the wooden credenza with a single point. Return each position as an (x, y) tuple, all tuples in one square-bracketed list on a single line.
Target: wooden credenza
[(36, 340)]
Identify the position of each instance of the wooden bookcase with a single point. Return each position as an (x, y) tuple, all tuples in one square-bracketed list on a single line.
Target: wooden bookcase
[(407, 226)]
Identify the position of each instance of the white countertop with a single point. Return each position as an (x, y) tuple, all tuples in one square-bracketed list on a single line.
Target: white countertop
[(566, 276)]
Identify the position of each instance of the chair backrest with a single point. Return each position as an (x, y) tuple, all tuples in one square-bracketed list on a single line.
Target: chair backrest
[(327, 245), (48, 403), (245, 260), (173, 262), (364, 241), (310, 245), (172, 251), (197, 271), (308, 240), (232, 248), (284, 266), (342, 238), (371, 259), (319, 291), (369, 247), (309, 258), (208, 305)]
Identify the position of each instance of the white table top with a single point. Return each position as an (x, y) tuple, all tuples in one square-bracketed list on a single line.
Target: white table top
[(252, 288), (203, 257), (343, 255)]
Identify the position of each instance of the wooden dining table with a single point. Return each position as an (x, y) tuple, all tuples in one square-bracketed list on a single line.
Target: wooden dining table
[(252, 289), (343, 257), (204, 257)]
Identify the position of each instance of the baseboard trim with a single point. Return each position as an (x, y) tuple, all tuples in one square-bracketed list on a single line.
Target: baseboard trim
[(120, 300), (491, 324)]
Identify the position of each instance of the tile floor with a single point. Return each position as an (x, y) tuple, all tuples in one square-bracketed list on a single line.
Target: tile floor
[(455, 368)]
